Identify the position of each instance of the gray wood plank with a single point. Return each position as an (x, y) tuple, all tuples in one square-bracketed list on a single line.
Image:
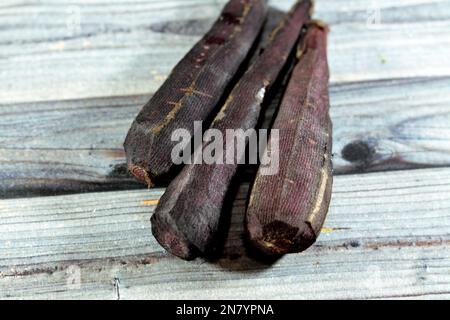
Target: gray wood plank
[(69, 50), (60, 63), (387, 236), (73, 146)]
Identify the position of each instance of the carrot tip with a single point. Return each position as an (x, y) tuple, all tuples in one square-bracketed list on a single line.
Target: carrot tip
[(171, 239), (142, 175), (279, 238)]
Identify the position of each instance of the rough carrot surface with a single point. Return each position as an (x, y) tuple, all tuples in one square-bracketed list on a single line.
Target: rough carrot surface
[(193, 89), (187, 218), (290, 219)]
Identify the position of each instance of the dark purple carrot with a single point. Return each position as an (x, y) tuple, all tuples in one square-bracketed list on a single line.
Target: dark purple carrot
[(290, 219), (187, 218), (193, 90)]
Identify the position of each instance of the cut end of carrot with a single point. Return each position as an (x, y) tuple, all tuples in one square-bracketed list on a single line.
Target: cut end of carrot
[(142, 175), (279, 238)]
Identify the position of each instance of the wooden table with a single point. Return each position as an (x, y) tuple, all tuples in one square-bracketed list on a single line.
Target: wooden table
[(74, 224)]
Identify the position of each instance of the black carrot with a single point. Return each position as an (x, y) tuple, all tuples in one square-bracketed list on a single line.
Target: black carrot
[(187, 218)]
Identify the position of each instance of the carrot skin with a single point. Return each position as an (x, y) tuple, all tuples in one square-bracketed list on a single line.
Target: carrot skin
[(193, 202)]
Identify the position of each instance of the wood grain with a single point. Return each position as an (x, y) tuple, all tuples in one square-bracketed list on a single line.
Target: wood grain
[(76, 146), (74, 50), (387, 236), (73, 75)]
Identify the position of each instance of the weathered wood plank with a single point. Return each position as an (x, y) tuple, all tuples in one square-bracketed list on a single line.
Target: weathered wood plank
[(74, 146), (396, 124), (387, 236), (71, 50), (418, 273), (65, 146), (69, 146)]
